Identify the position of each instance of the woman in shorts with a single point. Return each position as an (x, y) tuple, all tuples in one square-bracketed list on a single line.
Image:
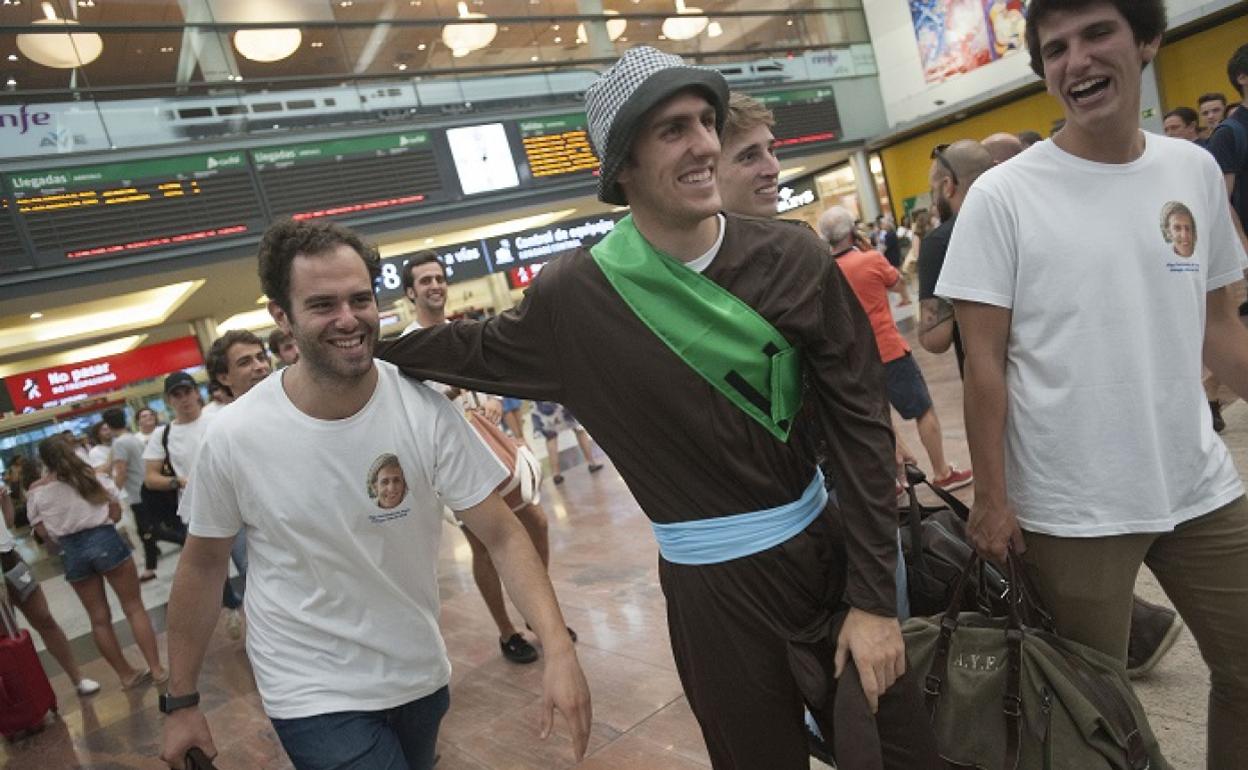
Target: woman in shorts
[(78, 509), (25, 594)]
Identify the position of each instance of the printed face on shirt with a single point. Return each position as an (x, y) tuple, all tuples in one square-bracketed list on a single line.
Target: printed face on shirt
[(670, 173), (749, 173), (1092, 65), (333, 316), (1179, 229), (386, 483)]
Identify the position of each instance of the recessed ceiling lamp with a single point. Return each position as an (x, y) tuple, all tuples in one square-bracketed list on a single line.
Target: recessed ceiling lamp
[(714, 30), (687, 25), (66, 51), (463, 39), (615, 28), (267, 45)]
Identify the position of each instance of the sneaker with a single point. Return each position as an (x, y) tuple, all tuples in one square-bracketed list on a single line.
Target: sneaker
[(557, 478), (1219, 424), (1154, 631), (517, 649), (595, 467), (955, 480), (87, 686), (234, 624)]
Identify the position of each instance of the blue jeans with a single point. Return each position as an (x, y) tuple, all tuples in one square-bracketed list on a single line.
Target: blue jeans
[(93, 551), (400, 738)]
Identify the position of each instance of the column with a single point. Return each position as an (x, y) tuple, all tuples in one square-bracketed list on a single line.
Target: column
[(868, 198)]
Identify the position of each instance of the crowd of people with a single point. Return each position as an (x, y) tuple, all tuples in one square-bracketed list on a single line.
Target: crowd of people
[(742, 373)]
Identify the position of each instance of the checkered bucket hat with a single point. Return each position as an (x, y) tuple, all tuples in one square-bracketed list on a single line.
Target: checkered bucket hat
[(617, 100)]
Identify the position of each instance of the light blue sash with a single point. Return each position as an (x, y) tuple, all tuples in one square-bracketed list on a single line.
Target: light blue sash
[(711, 541)]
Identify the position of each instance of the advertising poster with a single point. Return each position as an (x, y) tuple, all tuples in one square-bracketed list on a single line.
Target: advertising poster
[(957, 36)]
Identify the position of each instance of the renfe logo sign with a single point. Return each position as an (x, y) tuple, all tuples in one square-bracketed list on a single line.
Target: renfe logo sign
[(23, 119), (66, 384)]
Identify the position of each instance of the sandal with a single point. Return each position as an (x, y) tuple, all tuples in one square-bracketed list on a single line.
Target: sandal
[(146, 576)]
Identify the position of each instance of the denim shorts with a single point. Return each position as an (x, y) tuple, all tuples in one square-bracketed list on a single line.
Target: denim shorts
[(907, 391), (93, 552)]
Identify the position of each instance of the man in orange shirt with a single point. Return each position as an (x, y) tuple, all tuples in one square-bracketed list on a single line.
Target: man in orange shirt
[(872, 278)]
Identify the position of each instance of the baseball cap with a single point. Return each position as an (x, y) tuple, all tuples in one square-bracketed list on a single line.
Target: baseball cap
[(178, 380)]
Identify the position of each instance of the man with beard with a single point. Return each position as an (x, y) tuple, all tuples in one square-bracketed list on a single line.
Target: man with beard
[(713, 322), (955, 167), (343, 635)]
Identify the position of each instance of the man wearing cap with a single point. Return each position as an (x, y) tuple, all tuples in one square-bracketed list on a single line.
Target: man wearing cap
[(721, 327), (179, 440)]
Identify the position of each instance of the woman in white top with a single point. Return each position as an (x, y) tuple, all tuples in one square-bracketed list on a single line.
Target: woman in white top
[(147, 422), (100, 456), (35, 606), (78, 509)]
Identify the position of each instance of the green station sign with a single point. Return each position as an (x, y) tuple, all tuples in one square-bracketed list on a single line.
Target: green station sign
[(312, 152), (105, 174), (795, 96), (555, 124)]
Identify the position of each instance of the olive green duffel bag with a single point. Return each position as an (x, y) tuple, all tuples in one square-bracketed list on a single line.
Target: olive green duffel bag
[(1007, 694)]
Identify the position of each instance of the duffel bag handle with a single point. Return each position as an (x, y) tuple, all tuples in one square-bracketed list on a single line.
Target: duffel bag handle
[(915, 476), (938, 672)]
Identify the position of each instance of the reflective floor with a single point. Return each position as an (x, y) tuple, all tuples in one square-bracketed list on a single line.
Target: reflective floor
[(604, 571)]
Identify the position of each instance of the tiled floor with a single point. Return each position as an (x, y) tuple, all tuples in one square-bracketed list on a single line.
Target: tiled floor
[(605, 574)]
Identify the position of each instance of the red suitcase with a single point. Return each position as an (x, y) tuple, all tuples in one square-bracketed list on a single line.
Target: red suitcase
[(26, 695)]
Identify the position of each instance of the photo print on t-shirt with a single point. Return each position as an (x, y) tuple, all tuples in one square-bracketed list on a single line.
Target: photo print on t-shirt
[(1178, 229), (388, 487)]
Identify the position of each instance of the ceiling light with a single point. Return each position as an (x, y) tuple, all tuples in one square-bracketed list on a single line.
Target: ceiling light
[(251, 319), (346, 4), (35, 316), (267, 45), (11, 83), (558, 40), (166, 49), (401, 66), (685, 26), (532, 58), (12, 57), (463, 39), (67, 51), (555, 27), (788, 23), (428, 241), (615, 28), (421, 47), (714, 30), (123, 312), (317, 44)]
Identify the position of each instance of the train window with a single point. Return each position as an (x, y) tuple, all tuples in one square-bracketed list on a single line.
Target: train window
[(232, 109), (329, 102), (195, 112), (301, 104), (267, 107)]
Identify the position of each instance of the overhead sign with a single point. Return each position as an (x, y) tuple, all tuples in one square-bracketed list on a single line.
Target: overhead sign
[(348, 178), (482, 158), (475, 259), (521, 277), (557, 146), (113, 209), (66, 384), (803, 115)]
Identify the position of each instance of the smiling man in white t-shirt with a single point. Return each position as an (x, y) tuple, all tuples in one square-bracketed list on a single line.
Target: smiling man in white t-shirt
[(342, 595), (1084, 330)]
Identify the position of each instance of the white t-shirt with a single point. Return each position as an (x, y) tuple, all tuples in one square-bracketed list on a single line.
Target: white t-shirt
[(1107, 429), (342, 593), (7, 541), (212, 407), (100, 457), (700, 264), (185, 441)]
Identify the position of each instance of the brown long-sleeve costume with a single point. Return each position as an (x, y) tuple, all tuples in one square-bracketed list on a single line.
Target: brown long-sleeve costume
[(751, 636)]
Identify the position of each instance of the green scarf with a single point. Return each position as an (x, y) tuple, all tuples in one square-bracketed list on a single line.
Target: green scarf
[(720, 337)]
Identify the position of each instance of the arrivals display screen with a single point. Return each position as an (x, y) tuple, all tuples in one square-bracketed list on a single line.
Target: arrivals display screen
[(483, 158), (346, 178), (558, 146), (803, 116), (13, 254), (115, 209)]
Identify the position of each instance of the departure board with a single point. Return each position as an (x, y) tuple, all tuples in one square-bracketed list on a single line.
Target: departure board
[(803, 116), (13, 256), (115, 209), (349, 178), (558, 146)]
